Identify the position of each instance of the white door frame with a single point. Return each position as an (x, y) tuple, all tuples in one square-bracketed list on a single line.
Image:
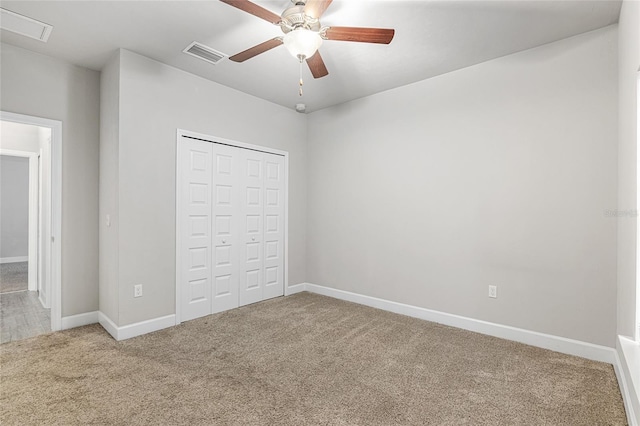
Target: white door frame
[(55, 235), (34, 207), (637, 310), (213, 139)]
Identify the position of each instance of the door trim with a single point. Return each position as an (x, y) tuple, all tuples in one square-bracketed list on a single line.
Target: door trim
[(55, 235), (214, 139)]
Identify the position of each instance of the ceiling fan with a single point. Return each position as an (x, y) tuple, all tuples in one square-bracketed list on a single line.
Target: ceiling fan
[(303, 33)]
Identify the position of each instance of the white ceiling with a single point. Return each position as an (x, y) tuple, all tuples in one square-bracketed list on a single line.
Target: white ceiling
[(432, 38)]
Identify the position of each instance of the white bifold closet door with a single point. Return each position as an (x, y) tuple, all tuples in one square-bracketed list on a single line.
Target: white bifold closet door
[(232, 227), (195, 257), (226, 226)]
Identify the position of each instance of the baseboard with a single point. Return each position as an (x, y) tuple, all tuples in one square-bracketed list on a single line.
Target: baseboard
[(79, 320), (137, 329), (293, 289), (533, 338), (144, 327), (108, 325), (42, 301), (15, 259), (627, 367)]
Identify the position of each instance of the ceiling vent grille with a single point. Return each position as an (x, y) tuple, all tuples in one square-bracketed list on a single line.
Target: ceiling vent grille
[(24, 25), (205, 53)]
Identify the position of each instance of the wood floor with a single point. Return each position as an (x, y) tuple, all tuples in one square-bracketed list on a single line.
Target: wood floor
[(21, 313), (14, 277), (22, 316)]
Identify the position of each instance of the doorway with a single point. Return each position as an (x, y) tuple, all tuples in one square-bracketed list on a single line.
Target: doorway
[(19, 219), (30, 187)]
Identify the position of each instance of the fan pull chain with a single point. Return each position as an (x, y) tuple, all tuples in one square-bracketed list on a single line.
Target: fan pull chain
[(301, 82)]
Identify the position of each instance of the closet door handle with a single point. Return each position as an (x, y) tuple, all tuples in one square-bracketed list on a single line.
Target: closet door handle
[(223, 241), (253, 238)]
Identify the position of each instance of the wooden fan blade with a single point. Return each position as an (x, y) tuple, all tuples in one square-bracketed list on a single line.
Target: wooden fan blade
[(256, 50), (254, 9), (315, 8), (364, 35), (317, 66)]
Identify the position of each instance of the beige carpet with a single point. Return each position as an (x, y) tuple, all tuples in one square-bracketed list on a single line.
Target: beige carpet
[(300, 360), (13, 277)]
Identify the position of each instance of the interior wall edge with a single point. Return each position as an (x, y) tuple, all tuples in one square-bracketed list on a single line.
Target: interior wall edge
[(627, 369), (627, 182)]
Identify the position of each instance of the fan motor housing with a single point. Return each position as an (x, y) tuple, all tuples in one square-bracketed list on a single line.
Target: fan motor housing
[(294, 17)]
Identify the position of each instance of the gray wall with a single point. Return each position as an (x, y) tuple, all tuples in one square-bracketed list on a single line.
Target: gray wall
[(14, 206), (628, 66), (41, 86), (109, 180), (495, 174), (154, 101)]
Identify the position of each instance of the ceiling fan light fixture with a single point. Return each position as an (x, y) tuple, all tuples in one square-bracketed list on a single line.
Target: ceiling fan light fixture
[(302, 43)]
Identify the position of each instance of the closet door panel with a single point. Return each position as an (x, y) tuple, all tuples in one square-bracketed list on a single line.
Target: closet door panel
[(274, 187), (252, 217), (195, 182), (226, 227)]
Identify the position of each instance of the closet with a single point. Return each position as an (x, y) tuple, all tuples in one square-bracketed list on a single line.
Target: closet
[(230, 226)]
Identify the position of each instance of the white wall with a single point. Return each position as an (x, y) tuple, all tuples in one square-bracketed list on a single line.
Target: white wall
[(495, 174), (628, 66), (41, 86), (154, 101), (14, 206)]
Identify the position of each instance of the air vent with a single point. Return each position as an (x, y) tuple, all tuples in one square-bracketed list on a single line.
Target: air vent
[(24, 25), (204, 52)]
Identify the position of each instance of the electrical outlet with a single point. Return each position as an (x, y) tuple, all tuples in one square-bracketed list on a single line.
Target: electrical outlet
[(137, 290), (493, 291)]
